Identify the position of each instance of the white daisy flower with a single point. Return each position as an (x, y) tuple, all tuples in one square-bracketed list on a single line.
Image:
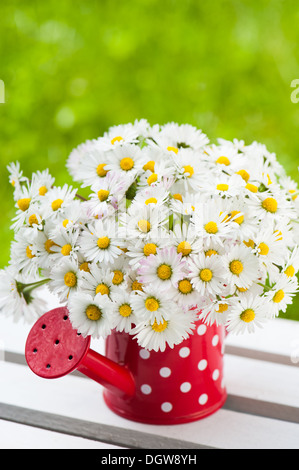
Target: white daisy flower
[(183, 136), (57, 199), (65, 244), (17, 299), (225, 186), (185, 240), (120, 270), (143, 221), (76, 157), (291, 264), (216, 311), (207, 274), (120, 135), (281, 295), (155, 194), (189, 169), (98, 280), (91, 316), (184, 294), (25, 198), (127, 160), (141, 249), (23, 256), (272, 206), (42, 182), (93, 167), (16, 178), (152, 304), (246, 314), (122, 315), (107, 192), (167, 333), (242, 267), (98, 242), (164, 270), (212, 224), (65, 278)]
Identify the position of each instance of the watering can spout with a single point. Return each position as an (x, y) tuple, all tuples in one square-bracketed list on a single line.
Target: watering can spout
[(107, 373), (54, 349)]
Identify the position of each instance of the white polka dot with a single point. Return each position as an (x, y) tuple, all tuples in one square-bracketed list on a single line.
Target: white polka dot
[(201, 330), (185, 387), (165, 372), (166, 407), (146, 389), (203, 399), (215, 340), (216, 374), (184, 352), (202, 365), (144, 354)]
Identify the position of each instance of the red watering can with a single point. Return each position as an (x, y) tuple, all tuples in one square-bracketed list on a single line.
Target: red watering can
[(180, 385)]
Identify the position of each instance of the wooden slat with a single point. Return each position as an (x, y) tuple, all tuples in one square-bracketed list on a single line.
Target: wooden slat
[(18, 436), (64, 401)]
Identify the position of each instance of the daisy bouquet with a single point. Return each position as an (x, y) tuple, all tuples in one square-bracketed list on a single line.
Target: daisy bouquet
[(175, 229)]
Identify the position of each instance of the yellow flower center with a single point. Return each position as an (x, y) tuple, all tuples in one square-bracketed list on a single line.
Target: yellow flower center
[(70, 279), (152, 179), (48, 246), (125, 310), (164, 272), (126, 164), (185, 286), (43, 190), (248, 315), (206, 275), (263, 249), (33, 220), (211, 227), (239, 220), (189, 169), (103, 195), (242, 289), (279, 296), (249, 244), (177, 197), (56, 204), (184, 248), (290, 271), (222, 187), (85, 267), (144, 225), (150, 166), (66, 249), (116, 139), (244, 174), (93, 313), (102, 289), (103, 243), (136, 286), (29, 253), (294, 194), (100, 170), (159, 327), (24, 203), (222, 308), (173, 149), (211, 253), (236, 267), (117, 278), (152, 304), (252, 188), (65, 223), (270, 205), (150, 249), (223, 161), (151, 200)]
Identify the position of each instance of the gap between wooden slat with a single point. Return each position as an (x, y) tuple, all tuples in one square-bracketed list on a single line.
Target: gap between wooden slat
[(97, 432)]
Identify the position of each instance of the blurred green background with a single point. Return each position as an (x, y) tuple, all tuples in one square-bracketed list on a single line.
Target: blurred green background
[(71, 69)]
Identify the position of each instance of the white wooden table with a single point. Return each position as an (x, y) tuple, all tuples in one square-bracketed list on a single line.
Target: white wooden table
[(261, 412)]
